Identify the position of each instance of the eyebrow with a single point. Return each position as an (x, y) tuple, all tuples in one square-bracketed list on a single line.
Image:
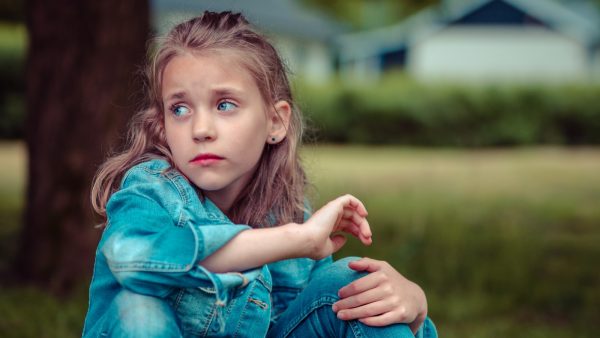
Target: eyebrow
[(224, 91), (177, 95), (228, 91)]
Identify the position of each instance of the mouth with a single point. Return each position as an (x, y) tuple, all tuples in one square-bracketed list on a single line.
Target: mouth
[(206, 159)]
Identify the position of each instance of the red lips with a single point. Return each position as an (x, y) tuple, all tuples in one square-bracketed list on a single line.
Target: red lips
[(206, 159)]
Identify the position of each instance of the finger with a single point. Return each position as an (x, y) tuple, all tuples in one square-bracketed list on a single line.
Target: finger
[(367, 310), (365, 231), (350, 227), (360, 207), (415, 325), (337, 242), (353, 229), (360, 285), (360, 221), (366, 264), (355, 203), (381, 320), (360, 299), (352, 214)]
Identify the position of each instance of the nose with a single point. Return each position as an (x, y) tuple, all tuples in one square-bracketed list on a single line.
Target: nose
[(203, 127)]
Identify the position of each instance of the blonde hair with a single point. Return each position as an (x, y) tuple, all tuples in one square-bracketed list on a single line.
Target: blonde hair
[(275, 194)]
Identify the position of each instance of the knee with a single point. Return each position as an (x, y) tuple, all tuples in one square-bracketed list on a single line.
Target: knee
[(427, 330), (337, 275), (136, 315)]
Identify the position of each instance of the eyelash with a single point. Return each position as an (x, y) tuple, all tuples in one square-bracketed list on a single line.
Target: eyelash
[(178, 105), (226, 102), (175, 106)]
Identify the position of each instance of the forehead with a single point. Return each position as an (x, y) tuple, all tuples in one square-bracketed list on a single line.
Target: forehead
[(210, 69)]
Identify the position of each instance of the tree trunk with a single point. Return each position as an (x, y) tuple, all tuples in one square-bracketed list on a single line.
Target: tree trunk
[(80, 79)]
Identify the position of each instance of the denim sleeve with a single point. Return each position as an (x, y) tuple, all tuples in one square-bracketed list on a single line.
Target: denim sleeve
[(151, 252)]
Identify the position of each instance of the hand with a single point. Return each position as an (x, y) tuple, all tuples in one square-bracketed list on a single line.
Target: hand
[(381, 298), (343, 214)]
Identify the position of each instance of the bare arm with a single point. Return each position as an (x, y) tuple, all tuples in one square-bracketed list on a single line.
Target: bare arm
[(315, 238), (381, 298)]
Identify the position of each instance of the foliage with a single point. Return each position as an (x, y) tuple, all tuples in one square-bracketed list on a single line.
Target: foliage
[(402, 111), (368, 13), (12, 85)]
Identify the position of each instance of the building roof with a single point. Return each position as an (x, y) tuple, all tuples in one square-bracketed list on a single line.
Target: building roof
[(573, 20), (283, 17), (578, 21)]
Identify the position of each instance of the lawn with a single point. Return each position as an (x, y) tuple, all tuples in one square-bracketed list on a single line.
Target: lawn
[(504, 242)]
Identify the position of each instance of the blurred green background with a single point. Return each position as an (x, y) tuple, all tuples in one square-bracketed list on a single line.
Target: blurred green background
[(486, 194)]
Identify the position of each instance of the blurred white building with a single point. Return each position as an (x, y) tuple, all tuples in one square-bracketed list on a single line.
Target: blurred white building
[(303, 37), (482, 40)]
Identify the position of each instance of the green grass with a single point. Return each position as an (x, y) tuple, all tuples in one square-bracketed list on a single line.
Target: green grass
[(504, 242)]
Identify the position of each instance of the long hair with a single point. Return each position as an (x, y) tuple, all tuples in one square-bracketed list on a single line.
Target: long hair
[(275, 194)]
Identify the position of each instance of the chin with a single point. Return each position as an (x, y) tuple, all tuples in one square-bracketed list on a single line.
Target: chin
[(209, 186), (206, 183)]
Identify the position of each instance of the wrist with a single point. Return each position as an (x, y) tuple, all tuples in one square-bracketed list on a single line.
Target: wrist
[(297, 240)]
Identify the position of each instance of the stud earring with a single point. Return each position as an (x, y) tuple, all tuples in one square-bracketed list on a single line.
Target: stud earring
[(273, 139)]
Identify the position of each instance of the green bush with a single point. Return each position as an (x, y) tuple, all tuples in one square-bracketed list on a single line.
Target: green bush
[(400, 111), (12, 80)]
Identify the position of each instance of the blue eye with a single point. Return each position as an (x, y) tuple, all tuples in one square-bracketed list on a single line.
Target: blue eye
[(180, 110), (226, 106)]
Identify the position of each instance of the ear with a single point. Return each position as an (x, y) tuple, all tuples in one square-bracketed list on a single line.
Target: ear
[(278, 121)]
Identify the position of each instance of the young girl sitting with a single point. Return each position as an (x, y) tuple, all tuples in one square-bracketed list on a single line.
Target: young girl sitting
[(207, 228)]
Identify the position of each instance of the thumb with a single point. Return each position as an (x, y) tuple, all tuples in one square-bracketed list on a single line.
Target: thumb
[(365, 264), (338, 242), (358, 265)]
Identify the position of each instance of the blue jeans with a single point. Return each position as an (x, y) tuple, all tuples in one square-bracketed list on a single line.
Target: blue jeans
[(309, 315)]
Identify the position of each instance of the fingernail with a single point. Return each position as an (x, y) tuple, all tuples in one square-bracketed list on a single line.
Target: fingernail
[(334, 308)]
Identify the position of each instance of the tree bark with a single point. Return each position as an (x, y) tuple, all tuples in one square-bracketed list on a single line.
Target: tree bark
[(80, 83)]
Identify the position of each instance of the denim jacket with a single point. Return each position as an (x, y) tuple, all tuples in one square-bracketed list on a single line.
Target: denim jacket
[(158, 231)]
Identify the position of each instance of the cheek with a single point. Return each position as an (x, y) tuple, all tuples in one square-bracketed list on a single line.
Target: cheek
[(251, 148), (170, 141), (251, 143), (174, 142)]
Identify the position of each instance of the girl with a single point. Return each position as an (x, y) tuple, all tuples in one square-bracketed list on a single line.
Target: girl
[(207, 230)]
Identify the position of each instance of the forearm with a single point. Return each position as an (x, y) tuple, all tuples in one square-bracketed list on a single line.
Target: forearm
[(255, 247), (316, 238)]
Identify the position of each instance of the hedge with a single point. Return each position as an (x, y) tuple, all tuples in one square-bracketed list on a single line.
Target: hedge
[(400, 111)]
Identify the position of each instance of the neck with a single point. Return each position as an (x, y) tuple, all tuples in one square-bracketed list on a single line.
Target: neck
[(223, 202), (227, 196)]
